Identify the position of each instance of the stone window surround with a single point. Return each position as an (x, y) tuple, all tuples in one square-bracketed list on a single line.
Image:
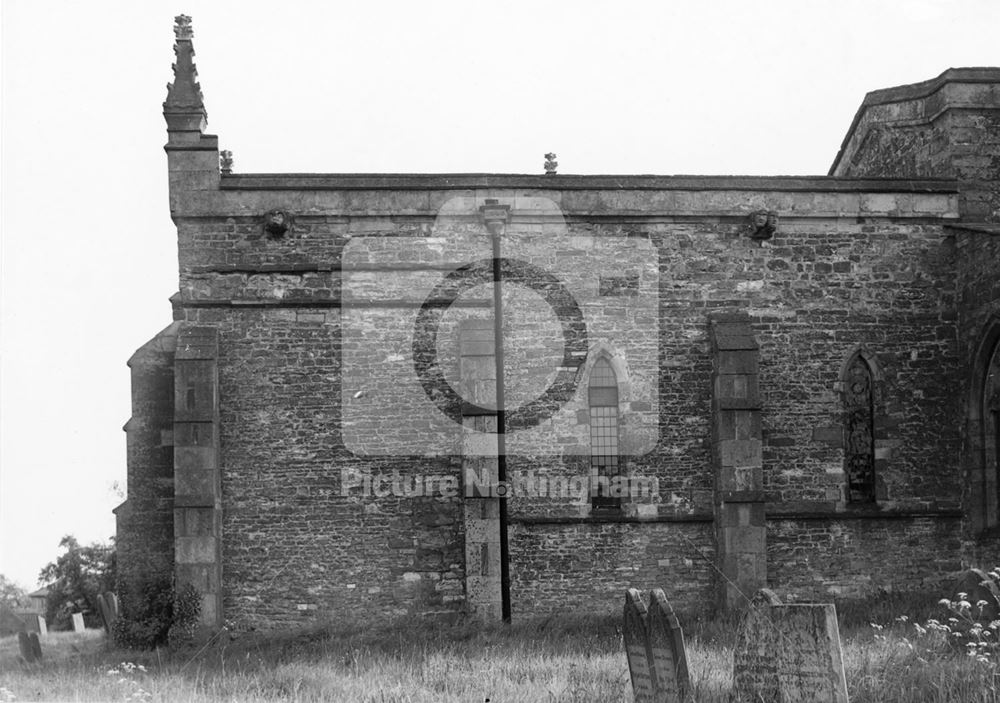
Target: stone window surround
[(618, 364)]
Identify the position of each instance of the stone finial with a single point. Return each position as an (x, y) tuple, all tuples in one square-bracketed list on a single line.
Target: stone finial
[(182, 27), (226, 161), (550, 164), (762, 224), (184, 109)]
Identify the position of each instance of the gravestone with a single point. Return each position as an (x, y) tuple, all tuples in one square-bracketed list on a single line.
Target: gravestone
[(978, 586), (666, 649), (78, 625), (108, 605), (788, 654), (36, 646), (634, 629), (754, 666), (24, 644)]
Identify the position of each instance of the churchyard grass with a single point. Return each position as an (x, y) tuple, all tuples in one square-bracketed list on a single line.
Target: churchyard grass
[(423, 661)]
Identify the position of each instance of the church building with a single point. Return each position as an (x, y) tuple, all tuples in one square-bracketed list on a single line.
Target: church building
[(497, 393)]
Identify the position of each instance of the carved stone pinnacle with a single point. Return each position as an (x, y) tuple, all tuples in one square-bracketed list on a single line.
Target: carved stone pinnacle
[(183, 28)]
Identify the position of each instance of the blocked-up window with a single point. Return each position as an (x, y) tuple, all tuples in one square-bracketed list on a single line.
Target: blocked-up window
[(859, 431), (605, 464)]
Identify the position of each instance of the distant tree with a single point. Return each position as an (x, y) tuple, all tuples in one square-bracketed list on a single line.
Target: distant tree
[(12, 596), (75, 580)]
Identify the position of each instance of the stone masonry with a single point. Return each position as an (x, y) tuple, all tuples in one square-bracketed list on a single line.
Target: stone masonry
[(302, 433)]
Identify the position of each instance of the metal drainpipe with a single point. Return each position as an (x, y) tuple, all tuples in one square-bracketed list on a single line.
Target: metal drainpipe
[(496, 227)]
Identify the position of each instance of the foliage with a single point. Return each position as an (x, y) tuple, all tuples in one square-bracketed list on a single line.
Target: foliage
[(156, 614), (127, 675), (76, 578), (12, 596), (967, 626)]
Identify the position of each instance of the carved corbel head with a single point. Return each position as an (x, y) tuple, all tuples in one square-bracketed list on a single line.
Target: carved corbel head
[(277, 222), (762, 224)]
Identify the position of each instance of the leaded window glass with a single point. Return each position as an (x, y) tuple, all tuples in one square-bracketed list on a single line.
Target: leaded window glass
[(604, 457), (859, 427)]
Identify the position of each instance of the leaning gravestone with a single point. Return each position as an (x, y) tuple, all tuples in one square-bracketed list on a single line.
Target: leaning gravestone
[(977, 587), (36, 646), (108, 605), (788, 654), (25, 646), (78, 625), (102, 605), (634, 629), (666, 649)]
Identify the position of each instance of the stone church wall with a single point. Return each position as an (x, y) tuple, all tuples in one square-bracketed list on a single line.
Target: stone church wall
[(822, 288), (303, 435)]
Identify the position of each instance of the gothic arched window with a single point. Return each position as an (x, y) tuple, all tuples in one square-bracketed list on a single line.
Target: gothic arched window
[(859, 431), (604, 459)]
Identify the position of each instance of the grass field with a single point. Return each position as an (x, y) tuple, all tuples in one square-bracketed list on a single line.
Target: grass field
[(549, 660)]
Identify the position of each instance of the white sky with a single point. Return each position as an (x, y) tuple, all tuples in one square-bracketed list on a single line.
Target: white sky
[(88, 255)]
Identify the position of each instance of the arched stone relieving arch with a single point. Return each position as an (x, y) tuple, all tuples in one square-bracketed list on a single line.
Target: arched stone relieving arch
[(881, 444), (981, 462)]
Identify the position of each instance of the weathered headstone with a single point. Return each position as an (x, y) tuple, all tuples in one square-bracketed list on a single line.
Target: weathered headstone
[(24, 644), (755, 671), (977, 587), (36, 646), (635, 630), (105, 615), (78, 625), (666, 649), (107, 602), (788, 654)]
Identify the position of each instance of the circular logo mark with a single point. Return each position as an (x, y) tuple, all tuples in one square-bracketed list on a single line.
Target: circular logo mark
[(477, 273)]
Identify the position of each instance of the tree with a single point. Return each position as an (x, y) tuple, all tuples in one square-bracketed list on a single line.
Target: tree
[(12, 596), (75, 581)]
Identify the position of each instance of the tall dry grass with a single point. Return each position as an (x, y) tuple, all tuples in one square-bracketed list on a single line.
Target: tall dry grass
[(425, 661)]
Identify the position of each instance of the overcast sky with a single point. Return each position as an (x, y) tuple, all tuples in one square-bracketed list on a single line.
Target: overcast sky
[(89, 259)]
